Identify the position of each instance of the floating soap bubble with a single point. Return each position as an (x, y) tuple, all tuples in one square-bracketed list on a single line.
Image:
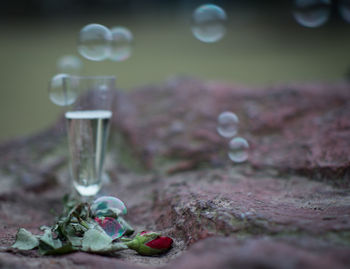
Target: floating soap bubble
[(238, 150), (311, 13), (344, 9), (227, 124), (121, 44), (108, 206), (111, 226), (208, 23), (94, 42), (69, 64), (58, 93)]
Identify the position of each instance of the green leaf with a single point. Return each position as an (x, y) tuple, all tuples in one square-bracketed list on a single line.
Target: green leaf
[(72, 236), (44, 248), (44, 227), (68, 248), (95, 241), (117, 247), (76, 241), (125, 239), (25, 240), (75, 230), (68, 204), (47, 239)]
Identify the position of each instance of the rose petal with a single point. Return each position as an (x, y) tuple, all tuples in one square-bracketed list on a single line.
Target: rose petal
[(161, 242)]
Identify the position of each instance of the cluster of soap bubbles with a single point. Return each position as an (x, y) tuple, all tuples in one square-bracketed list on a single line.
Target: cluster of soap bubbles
[(228, 127), (97, 43), (315, 13), (209, 20), (108, 212)]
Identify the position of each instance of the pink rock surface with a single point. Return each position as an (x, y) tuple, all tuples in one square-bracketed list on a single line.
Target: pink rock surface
[(287, 207), (295, 128)]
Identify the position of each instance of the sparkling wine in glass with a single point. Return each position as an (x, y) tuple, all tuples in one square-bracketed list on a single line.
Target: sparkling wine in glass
[(88, 127)]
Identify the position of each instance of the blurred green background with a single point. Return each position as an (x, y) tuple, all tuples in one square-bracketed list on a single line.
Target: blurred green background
[(263, 46)]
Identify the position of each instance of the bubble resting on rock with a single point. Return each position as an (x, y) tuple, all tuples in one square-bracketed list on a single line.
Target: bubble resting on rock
[(111, 226), (106, 205)]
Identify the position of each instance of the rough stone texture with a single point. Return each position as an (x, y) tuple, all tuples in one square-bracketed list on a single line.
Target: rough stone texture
[(287, 207), (295, 128)]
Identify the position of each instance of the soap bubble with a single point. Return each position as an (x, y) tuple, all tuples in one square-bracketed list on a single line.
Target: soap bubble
[(111, 226), (120, 49), (208, 23), (344, 9), (238, 150), (311, 13), (108, 206), (227, 124), (69, 64), (58, 93), (94, 42)]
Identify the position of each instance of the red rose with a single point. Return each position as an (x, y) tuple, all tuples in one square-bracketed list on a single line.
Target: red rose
[(161, 242), (150, 243)]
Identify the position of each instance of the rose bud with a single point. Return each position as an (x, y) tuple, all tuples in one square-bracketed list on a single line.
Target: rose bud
[(150, 243)]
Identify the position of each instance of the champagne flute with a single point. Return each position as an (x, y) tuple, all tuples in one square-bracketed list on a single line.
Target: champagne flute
[(88, 123)]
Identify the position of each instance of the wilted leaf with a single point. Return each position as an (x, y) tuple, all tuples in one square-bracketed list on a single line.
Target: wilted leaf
[(75, 241), (94, 241), (25, 240), (117, 246), (47, 239), (68, 248), (75, 231)]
